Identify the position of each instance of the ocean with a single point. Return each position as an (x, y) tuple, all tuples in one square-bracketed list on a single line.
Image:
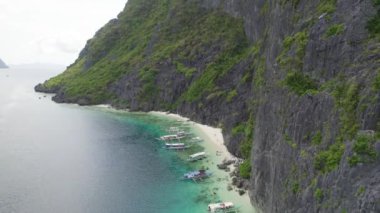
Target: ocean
[(66, 158)]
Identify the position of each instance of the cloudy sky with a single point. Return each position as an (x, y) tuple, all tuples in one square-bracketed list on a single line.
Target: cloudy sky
[(51, 31)]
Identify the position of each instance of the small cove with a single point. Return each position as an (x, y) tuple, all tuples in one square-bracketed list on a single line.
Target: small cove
[(65, 158)]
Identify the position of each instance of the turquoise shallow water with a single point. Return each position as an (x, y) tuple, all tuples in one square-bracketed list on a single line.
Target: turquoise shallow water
[(65, 158)]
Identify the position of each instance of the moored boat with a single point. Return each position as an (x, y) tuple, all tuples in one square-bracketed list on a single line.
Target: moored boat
[(214, 207), (178, 136), (197, 156), (176, 146), (168, 137), (197, 175), (173, 129), (183, 134)]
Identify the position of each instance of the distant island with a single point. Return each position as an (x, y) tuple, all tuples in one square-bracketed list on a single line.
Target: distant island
[(2, 64)]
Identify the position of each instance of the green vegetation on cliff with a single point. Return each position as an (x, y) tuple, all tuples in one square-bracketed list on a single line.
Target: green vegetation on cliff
[(364, 151), (328, 160), (293, 52), (115, 50), (334, 30), (300, 84), (151, 33), (327, 6), (373, 25)]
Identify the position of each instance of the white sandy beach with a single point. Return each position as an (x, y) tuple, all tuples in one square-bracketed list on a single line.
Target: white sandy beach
[(214, 143), (210, 134)]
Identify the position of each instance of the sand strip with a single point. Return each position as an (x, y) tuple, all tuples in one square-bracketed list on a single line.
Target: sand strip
[(214, 146)]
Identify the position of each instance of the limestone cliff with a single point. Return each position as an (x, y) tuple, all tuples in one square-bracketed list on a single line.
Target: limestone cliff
[(294, 84)]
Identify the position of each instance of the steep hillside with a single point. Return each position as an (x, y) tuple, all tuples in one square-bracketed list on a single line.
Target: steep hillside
[(294, 84), (2, 64)]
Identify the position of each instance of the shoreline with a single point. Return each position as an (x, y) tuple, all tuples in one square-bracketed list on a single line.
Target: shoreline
[(217, 152), (214, 146), (213, 134)]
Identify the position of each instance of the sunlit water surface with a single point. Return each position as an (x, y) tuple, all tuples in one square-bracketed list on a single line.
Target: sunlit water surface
[(65, 158)]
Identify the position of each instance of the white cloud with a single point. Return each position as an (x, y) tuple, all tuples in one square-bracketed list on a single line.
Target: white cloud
[(51, 31)]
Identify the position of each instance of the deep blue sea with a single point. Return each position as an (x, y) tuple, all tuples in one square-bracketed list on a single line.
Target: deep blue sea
[(66, 158)]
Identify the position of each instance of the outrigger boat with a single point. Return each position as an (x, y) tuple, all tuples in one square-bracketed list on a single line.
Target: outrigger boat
[(176, 146), (180, 135), (183, 134), (174, 129), (214, 207), (169, 137), (197, 156), (197, 175)]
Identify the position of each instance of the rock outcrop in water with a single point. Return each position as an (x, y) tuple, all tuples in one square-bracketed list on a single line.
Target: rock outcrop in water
[(2, 64), (294, 84)]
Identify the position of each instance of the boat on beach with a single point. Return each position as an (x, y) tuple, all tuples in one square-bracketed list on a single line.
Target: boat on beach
[(197, 156), (216, 207)]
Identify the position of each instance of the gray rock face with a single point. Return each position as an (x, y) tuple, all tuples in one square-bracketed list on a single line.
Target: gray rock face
[(275, 163), (284, 177), (2, 64)]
